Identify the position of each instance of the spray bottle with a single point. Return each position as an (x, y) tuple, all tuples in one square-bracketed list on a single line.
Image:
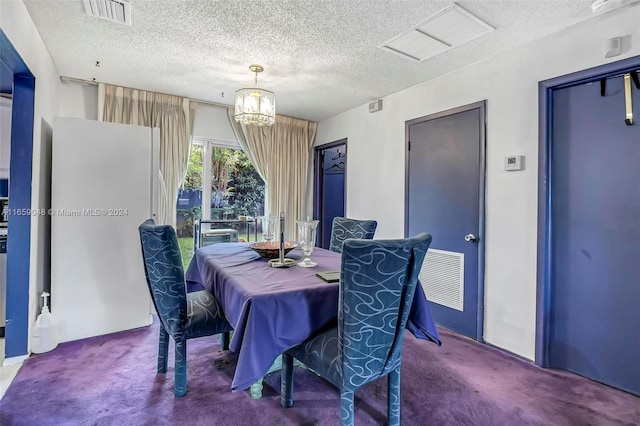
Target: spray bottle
[(44, 335)]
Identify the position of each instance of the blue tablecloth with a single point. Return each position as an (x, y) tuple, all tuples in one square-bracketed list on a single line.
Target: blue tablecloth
[(273, 309)]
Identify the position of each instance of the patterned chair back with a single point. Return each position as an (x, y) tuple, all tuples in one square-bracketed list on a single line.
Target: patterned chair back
[(343, 228), (377, 283), (165, 275)]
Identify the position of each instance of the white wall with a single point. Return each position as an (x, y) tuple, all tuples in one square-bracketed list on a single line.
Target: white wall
[(509, 83), (78, 101), (5, 137), (16, 23), (212, 122)]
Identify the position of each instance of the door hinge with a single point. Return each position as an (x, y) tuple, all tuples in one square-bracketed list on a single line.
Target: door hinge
[(409, 146)]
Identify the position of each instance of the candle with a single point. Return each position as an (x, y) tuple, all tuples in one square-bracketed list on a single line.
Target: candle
[(281, 237)]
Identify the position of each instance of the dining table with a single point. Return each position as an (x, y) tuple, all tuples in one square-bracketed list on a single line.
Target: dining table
[(273, 309)]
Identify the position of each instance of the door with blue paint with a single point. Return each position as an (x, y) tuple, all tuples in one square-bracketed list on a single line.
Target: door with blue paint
[(595, 234), (445, 181), (331, 165)]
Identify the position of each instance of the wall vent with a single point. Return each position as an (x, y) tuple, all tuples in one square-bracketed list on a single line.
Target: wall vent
[(442, 278), (118, 11), (445, 30), (375, 106)]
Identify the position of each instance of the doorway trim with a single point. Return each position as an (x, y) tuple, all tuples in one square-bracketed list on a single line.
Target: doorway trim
[(317, 179), (20, 180), (546, 89), (482, 106)]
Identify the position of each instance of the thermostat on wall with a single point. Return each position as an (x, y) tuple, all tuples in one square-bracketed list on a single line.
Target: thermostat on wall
[(513, 162)]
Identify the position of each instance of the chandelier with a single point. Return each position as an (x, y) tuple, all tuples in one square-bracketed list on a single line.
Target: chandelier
[(255, 106)]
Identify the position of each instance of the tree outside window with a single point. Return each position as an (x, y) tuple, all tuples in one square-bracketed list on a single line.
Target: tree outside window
[(235, 189)]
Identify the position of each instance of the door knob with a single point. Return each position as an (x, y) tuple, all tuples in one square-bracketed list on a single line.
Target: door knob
[(470, 238)]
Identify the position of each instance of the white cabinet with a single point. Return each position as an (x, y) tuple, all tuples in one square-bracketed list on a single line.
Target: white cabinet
[(103, 186)]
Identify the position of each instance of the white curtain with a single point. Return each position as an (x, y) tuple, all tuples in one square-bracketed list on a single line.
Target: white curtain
[(173, 115), (280, 154), (254, 155)]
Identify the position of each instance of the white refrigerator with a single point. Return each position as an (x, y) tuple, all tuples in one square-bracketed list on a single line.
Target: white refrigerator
[(104, 184)]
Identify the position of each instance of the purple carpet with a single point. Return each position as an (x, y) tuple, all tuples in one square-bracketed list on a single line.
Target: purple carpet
[(111, 380)]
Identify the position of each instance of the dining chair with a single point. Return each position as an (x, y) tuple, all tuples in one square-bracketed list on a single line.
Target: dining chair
[(182, 315), (343, 228), (377, 282)]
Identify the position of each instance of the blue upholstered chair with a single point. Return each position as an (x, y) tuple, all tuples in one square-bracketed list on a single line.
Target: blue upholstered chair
[(377, 282), (343, 228), (182, 316)]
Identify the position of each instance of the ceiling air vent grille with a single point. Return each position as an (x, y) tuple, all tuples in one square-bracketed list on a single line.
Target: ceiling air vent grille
[(118, 11), (445, 30)]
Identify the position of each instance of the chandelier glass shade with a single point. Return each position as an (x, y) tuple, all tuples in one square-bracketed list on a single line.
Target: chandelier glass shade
[(255, 106)]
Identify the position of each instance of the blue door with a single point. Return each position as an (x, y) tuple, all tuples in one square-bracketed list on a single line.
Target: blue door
[(331, 165), (595, 235), (444, 197)]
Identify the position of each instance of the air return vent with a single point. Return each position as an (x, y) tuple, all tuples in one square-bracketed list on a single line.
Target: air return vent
[(442, 278), (445, 30), (118, 11)]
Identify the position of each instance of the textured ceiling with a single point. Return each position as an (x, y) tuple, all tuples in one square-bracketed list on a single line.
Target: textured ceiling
[(320, 56)]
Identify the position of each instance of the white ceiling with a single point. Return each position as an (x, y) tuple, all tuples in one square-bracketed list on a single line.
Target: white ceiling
[(320, 56)]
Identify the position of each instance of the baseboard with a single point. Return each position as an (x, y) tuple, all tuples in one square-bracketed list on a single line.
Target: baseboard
[(14, 360)]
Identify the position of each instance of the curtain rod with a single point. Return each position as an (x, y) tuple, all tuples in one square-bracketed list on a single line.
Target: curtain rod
[(66, 79)]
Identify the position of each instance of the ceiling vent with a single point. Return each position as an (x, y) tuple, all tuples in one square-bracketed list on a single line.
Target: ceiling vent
[(445, 30), (118, 11)]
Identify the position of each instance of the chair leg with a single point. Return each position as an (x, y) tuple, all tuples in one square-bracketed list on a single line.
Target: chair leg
[(163, 350), (226, 338), (180, 387), (286, 381), (393, 397), (347, 410)]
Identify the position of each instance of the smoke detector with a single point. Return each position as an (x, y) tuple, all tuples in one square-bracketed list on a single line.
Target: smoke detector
[(118, 11)]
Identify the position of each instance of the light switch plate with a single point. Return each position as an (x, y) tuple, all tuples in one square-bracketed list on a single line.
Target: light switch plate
[(513, 162)]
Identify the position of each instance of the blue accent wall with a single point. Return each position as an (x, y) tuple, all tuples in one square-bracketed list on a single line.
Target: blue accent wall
[(19, 240)]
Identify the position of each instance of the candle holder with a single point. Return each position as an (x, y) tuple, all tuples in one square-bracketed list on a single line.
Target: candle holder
[(281, 261)]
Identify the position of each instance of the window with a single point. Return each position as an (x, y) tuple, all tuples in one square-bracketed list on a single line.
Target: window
[(220, 184)]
